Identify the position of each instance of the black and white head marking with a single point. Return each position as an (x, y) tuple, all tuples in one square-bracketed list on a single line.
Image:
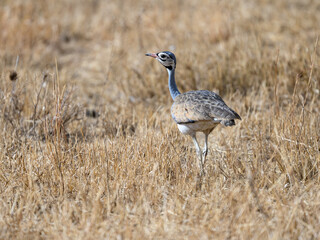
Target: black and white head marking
[(167, 59)]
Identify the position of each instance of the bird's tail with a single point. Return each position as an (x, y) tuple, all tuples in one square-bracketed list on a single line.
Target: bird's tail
[(228, 123)]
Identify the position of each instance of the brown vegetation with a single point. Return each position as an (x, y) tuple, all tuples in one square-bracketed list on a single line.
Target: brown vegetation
[(88, 149)]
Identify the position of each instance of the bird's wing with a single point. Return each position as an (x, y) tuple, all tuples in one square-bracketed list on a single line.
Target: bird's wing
[(201, 105)]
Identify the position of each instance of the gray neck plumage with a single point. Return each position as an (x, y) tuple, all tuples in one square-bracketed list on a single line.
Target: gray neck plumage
[(172, 84)]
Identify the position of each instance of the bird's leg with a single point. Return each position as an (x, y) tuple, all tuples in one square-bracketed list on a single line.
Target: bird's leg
[(196, 144), (205, 150), (198, 149)]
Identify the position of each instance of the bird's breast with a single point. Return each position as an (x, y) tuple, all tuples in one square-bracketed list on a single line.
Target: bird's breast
[(185, 129), (200, 126)]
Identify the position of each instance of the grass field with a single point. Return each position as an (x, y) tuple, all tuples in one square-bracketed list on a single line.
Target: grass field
[(88, 149)]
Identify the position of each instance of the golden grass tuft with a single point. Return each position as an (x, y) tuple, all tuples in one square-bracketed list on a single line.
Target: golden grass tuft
[(88, 149)]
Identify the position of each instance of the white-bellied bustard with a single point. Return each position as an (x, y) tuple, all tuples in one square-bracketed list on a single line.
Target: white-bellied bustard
[(195, 111)]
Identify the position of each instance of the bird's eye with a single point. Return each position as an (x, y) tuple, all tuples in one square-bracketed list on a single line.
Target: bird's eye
[(163, 56)]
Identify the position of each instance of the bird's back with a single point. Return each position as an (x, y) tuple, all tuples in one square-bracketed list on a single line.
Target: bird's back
[(202, 105)]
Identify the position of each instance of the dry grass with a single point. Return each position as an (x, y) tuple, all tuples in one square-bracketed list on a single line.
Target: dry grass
[(88, 149)]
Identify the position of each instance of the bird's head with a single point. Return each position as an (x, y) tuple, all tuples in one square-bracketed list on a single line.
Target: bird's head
[(166, 58)]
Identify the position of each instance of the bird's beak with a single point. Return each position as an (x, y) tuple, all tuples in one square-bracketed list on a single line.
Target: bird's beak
[(152, 55)]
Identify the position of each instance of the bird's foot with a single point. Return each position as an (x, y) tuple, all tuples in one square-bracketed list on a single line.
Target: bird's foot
[(201, 156), (204, 156), (201, 167)]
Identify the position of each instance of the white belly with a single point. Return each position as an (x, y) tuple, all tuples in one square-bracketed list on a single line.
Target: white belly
[(192, 128)]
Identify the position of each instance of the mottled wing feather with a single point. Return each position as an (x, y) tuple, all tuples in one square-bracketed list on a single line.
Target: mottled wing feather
[(201, 105)]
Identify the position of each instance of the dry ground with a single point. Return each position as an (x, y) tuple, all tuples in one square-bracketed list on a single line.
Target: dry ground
[(88, 149)]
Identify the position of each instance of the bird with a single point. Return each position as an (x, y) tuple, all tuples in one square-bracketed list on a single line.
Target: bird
[(195, 111)]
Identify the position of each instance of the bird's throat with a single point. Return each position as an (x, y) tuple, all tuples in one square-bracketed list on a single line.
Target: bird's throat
[(172, 84)]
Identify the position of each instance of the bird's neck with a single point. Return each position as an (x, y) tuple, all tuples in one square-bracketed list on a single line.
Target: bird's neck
[(172, 84)]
